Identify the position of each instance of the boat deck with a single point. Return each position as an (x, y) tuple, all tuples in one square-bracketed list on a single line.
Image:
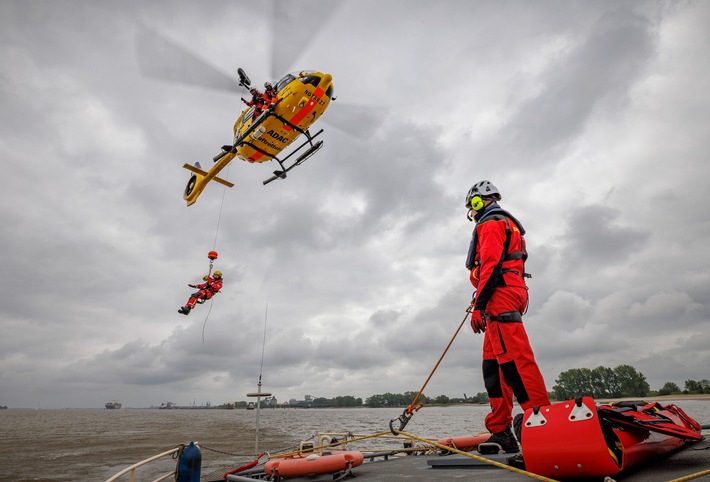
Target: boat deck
[(691, 461), (434, 468)]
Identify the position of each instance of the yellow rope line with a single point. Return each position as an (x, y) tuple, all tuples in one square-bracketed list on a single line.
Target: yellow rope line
[(335, 444), (426, 441), (692, 476), (412, 406), (479, 458), (456, 451)]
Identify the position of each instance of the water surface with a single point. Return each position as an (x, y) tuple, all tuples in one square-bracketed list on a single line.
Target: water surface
[(91, 445)]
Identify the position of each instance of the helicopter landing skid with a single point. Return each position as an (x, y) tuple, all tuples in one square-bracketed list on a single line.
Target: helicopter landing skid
[(281, 174)]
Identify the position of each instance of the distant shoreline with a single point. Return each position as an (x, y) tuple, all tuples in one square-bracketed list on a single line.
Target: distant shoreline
[(691, 396), (650, 398)]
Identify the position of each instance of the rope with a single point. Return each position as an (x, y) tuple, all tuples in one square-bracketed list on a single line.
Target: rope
[(479, 458), (450, 449), (214, 247), (692, 476), (334, 444), (205, 322), (696, 475), (263, 343), (232, 454), (437, 364), (409, 411), (219, 217), (428, 442)]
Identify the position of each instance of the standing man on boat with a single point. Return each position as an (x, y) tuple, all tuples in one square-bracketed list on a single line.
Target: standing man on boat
[(496, 263)]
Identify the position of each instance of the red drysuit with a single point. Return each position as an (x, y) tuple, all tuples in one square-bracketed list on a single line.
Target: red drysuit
[(496, 262), (206, 291)]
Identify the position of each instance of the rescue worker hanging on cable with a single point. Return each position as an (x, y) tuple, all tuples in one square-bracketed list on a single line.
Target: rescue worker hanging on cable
[(206, 291), (496, 264)]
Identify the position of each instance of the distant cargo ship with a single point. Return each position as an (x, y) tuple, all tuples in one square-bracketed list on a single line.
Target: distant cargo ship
[(113, 404)]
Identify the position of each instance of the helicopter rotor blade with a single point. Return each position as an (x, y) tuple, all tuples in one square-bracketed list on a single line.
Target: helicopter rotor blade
[(294, 30), (294, 26), (162, 59), (358, 120)]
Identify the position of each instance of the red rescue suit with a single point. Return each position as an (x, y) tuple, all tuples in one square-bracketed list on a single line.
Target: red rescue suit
[(206, 291), (496, 261), (259, 100), (270, 97)]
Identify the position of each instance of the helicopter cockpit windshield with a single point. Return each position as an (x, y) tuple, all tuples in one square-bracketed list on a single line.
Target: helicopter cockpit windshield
[(309, 77), (287, 79)]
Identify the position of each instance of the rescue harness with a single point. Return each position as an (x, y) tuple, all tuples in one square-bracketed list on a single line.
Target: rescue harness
[(499, 214), (496, 213)]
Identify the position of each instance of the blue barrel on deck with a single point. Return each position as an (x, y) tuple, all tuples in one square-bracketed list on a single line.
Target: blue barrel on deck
[(189, 464)]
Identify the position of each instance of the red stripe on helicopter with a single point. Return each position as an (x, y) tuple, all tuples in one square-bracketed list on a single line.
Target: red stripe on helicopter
[(301, 114), (296, 119)]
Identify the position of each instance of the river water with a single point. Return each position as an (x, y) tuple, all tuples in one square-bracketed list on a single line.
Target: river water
[(91, 445)]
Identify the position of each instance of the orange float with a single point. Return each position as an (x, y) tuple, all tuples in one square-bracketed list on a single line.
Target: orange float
[(465, 443), (314, 464)]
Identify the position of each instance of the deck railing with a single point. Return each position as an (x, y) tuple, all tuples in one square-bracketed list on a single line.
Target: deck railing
[(133, 468), (322, 441)]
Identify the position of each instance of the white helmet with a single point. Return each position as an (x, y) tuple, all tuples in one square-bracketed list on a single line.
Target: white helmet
[(483, 189)]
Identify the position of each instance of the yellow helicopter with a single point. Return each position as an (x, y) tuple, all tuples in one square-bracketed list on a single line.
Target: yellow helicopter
[(268, 126)]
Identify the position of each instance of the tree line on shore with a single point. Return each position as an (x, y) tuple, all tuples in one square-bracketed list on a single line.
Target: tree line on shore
[(601, 382), (619, 382)]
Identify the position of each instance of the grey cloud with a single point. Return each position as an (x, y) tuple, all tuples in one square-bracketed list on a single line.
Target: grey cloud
[(359, 253)]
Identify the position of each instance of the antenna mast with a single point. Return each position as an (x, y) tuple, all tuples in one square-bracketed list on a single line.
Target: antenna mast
[(259, 393)]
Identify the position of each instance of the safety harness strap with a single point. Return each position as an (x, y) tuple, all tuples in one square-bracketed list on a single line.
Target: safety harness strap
[(507, 317)]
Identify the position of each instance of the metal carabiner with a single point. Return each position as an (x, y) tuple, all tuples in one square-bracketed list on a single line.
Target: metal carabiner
[(403, 420)]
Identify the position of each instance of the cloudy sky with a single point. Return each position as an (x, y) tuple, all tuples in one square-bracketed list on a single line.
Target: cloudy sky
[(592, 118)]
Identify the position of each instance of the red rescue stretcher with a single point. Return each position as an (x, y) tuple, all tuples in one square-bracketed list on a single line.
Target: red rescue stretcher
[(578, 439)]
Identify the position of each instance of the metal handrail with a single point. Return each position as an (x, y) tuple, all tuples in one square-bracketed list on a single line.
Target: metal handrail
[(344, 440), (132, 469)]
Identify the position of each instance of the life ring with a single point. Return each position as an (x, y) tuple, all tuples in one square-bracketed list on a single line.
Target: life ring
[(323, 463), (465, 443)]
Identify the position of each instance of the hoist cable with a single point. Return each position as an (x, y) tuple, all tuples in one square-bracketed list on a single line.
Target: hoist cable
[(214, 247)]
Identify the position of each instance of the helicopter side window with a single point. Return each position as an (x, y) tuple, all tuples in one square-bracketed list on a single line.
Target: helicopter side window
[(248, 115), (329, 91), (313, 80)]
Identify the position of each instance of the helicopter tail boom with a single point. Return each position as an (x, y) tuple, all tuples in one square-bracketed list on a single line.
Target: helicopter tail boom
[(200, 172)]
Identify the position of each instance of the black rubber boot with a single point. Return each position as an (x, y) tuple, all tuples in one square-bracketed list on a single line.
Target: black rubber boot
[(517, 461), (500, 442), (184, 310)]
